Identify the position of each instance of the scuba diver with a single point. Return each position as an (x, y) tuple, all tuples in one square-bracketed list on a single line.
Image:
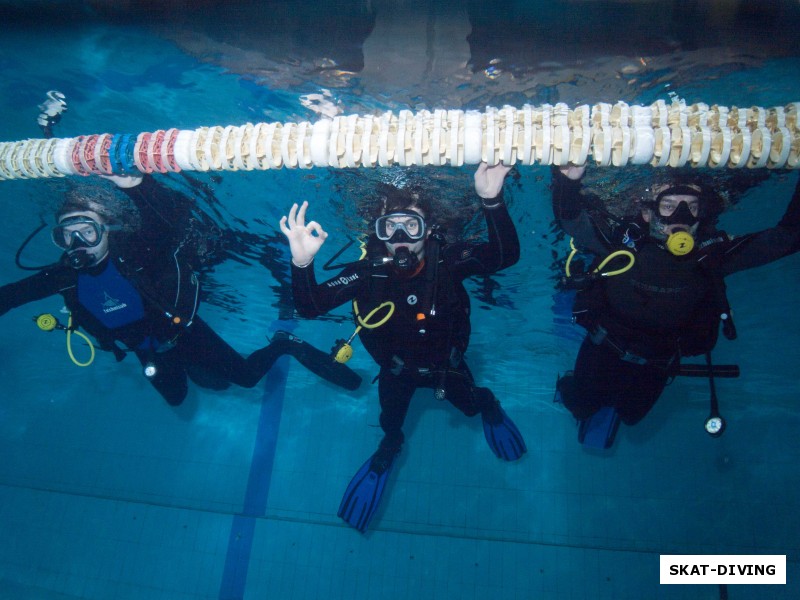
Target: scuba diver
[(136, 295), (655, 293), (413, 317)]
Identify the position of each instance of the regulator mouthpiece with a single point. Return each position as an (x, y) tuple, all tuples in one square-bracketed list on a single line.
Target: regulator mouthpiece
[(46, 322), (680, 243), (342, 352), (405, 260), (79, 259)]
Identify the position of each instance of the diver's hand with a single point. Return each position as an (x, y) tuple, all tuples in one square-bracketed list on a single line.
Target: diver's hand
[(572, 172), (489, 180), (302, 241), (124, 181)]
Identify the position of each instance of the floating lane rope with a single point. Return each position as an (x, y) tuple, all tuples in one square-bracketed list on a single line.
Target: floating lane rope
[(610, 134)]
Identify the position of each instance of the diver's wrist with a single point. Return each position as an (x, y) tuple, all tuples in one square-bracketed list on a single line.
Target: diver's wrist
[(491, 203), (302, 265)]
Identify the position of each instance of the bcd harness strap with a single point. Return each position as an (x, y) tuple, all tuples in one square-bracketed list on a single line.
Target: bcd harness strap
[(599, 335)]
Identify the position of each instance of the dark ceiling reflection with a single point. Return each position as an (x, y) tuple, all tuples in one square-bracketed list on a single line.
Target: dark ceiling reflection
[(467, 54)]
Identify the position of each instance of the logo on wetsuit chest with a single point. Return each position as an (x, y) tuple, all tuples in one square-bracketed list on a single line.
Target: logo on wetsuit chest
[(412, 300), (112, 304), (110, 297), (343, 280), (656, 289)]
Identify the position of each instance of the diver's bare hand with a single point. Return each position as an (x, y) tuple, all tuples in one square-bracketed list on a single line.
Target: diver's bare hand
[(489, 180), (124, 181), (572, 172), (303, 244)]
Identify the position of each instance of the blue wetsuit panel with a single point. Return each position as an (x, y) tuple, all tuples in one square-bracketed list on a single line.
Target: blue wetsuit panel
[(110, 297)]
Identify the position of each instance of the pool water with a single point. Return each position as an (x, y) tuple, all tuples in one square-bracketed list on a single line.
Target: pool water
[(108, 492)]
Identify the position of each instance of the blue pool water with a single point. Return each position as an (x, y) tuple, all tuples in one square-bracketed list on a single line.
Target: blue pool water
[(107, 492)]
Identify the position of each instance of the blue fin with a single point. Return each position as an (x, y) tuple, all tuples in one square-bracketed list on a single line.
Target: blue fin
[(502, 435), (363, 495), (565, 388), (599, 430)]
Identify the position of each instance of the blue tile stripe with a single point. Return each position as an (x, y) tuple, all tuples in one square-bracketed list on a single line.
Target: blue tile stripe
[(240, 541)]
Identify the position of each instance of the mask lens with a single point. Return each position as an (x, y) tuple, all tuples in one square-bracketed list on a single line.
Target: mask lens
[(84, 230), (668, 206), (411, 224)]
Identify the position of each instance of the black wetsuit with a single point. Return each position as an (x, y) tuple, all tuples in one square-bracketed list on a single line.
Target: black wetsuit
[(641, 322), (127, 307), (410, 359), (144, 298)]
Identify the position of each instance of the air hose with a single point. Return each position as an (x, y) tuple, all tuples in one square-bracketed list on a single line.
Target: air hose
[(598, 272), (48, 322), (343, 351), (616, 135)]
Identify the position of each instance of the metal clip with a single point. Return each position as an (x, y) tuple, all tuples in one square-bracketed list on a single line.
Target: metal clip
[(598, 335), (633, 358), (397, 365)]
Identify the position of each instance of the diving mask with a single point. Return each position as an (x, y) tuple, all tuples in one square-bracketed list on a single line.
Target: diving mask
[(677, 206), (77, 232), (402, 226), (680, 241), (683, 212)]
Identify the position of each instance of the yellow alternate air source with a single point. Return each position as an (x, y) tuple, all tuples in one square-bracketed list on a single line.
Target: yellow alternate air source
[(616, 135)]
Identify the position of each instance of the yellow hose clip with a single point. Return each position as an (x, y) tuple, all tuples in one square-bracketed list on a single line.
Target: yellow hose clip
[(342, 351), (48, 322)]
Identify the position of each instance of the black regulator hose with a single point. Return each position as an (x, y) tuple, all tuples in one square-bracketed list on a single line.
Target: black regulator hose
[(25, 244)]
